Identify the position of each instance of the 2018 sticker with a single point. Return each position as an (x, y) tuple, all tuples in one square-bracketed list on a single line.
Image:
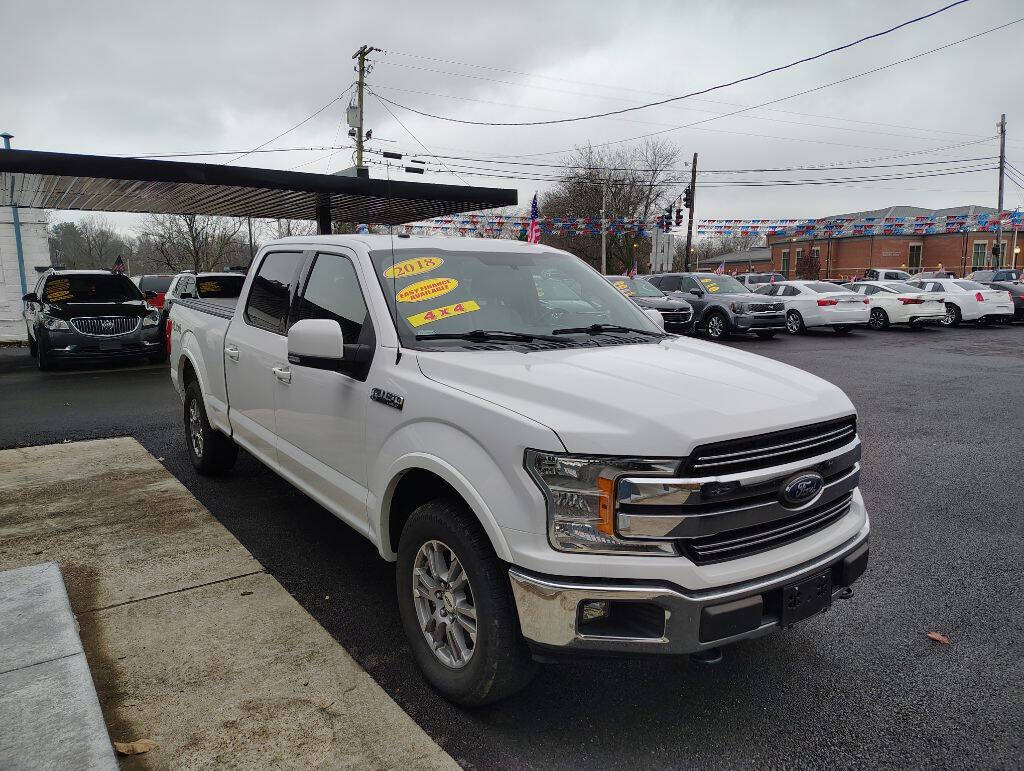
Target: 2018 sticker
[(426, 290), (419, 319), (413, 267)]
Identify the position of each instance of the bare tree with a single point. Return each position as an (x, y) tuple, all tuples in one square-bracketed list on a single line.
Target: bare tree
[(89, 243), (639, 182), (196, 242)]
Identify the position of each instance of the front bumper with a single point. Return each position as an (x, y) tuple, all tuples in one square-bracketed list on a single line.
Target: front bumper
[(749, 322), (663, 619), (72, 345)]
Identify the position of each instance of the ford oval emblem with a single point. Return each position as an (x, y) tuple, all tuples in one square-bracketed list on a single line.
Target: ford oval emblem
[(802, 488)]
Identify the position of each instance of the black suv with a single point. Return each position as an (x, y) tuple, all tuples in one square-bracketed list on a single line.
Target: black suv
[(90, 314)]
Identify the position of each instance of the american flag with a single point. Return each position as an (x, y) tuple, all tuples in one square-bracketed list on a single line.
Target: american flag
[(771, 279), (721, 268), (533, 233), (118, 265)]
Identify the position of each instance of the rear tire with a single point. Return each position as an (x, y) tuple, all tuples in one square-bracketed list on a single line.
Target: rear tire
[(1007, 320), (210, 451), (879, 319), (952, 317), (495, 661), (795, 323)]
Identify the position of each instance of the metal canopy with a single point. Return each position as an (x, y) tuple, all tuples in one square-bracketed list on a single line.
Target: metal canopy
[(101, 183)]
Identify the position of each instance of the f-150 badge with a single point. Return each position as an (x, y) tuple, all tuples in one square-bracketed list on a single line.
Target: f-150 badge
[(388, 398)]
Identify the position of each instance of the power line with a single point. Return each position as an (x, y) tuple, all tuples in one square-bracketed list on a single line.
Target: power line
[(418, 139), (699, 92), (297, 125), (799, 93)]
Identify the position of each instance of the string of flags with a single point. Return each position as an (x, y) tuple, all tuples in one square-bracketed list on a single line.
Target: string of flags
[(503, 226)]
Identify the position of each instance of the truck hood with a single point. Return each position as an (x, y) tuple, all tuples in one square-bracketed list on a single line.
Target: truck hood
[(655, 400)]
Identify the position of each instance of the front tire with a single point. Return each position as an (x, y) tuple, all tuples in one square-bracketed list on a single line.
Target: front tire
[(210, 451), (879, 319), (716, 325), (456, 606), (43, 359), (795, 323)]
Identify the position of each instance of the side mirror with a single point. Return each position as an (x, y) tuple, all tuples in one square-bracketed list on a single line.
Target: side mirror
[(149, 294), (316, 343), (656, 317), (697, 292), (31, 297)]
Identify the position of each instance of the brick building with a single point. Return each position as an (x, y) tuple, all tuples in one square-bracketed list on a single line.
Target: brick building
[(818, 256)]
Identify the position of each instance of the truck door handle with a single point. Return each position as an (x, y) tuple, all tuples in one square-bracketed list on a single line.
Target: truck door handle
[(283, 374), (232, 352)]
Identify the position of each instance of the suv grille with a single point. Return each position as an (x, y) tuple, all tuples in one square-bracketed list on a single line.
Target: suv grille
[(106, 326), (676, 317), (773, 449), (735, 544), (764, 307)]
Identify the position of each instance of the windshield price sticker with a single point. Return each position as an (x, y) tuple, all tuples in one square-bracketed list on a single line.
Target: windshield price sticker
[(209, 286), (419, 319), (426, 290), (413, 267), (624, 288), (710, 284), (58, 290)]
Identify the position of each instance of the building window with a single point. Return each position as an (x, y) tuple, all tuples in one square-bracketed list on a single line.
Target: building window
[(785, 262), (1001, 259), (978, 255), (914, 263)]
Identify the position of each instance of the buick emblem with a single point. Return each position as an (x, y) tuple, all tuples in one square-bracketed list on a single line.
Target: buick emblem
[(803, 488), (107, 325)]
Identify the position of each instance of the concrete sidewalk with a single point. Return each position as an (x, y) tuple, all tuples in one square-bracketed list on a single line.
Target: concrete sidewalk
[(190, 643)]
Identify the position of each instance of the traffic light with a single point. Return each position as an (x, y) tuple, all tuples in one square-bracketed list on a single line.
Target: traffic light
[(688, 197), (679, 217), (666, 219)]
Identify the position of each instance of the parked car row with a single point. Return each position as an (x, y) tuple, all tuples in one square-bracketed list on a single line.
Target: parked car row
[(97, 315), (721, 305)]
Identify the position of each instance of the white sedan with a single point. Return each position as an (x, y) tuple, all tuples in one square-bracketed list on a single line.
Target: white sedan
[(968, 300), (896, 302), (818, 304)]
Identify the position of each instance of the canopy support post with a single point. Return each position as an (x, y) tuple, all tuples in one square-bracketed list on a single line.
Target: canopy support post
[(323, 215)]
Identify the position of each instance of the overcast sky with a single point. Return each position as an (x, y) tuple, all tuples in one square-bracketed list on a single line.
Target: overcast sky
[(149, 77)]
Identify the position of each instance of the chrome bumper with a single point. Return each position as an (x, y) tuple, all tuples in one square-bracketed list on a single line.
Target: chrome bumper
[(668, 620)]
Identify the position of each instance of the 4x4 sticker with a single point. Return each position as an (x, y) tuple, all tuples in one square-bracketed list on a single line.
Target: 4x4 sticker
[(426, 290), (447, 311), (413, 267)]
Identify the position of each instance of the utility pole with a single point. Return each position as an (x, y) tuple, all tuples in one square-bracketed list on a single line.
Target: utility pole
[(689, 224), (998, 249), (361, 55), (604, 227)]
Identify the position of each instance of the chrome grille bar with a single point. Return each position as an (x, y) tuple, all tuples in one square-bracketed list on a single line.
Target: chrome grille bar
[(106, 326), (805, 445)]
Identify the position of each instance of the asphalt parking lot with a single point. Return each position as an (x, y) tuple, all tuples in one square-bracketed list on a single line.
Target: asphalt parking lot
[(862, 686)]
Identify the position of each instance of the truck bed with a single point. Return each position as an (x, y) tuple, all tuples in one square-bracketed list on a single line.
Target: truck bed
[(224, 307)]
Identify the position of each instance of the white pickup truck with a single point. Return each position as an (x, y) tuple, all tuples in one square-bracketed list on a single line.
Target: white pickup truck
[(551, 471)]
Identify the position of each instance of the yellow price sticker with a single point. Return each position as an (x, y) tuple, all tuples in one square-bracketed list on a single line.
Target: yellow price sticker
[(419, 319)]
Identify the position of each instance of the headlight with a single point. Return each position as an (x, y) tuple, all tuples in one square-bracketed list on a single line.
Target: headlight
[(53, 323), (151, 319), (738, 308), (580, 495)]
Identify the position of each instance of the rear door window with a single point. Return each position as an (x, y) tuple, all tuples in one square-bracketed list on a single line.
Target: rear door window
[(270, 295)]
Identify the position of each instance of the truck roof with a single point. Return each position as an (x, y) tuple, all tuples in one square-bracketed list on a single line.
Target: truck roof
[(377, 242)]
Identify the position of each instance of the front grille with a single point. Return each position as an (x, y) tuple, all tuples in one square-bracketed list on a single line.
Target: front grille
[(764, 307), (106, 326), (735, 544), (772, 449), (676, 317)]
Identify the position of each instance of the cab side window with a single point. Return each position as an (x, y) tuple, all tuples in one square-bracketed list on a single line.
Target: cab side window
[(670, 283), (332, 292), (270, 295)]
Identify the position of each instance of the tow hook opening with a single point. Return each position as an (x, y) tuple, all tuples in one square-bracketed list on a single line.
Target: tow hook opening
[(620, 618)]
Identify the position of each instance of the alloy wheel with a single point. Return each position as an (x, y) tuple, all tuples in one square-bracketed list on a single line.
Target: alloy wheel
[(950, 318), (195, 428), (716, 327), (792, 323), (444, 603), (877, 318)]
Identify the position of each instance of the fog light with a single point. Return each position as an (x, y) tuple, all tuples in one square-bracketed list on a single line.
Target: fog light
[(594, 610)]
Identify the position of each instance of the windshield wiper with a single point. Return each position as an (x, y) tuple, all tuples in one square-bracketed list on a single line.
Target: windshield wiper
[(600, 329), (488, 335)]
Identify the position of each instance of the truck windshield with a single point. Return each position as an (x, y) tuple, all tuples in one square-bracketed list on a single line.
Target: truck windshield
[(90, 288), (635, 287), (716, 283), (526, 293), (155, 283)]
